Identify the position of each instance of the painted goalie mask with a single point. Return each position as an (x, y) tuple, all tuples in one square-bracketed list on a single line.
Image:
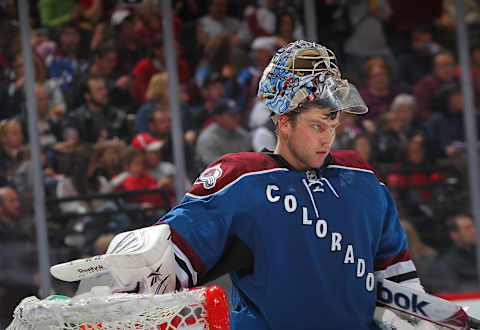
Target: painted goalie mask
[(304, 71)]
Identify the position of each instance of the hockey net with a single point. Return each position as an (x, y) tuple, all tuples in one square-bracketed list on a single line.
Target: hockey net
[(198, 308)]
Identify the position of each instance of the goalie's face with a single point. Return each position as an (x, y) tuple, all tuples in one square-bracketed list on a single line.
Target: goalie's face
[(306, 139)]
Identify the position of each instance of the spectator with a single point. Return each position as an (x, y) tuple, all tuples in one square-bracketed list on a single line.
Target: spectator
[(149, 23), (417, 62), (56, 102), (474, 71), (68, 62), (19, 277), (223, 136), (11, 149), (422, 255), (414, 183), (159, 126), (368, 37), (97, 119), (158, 98), (129, 48), (446, 128), (217, 60), (405, 107), (104, 65), (378, 94), (247, 80), (147, 67), (456, 269), (136, 177), (75, 181), (443, 73), (106, 161), (260, 19), (363, 145), (287, 27), (390, 139), (163, 172), (211, 91), (217, 22), (48, 125)]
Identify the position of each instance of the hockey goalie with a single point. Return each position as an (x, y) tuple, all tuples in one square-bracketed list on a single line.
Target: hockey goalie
[(305, 232)]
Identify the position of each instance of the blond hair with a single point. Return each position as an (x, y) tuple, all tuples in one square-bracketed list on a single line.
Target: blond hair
[(6, 126), (157, 90)]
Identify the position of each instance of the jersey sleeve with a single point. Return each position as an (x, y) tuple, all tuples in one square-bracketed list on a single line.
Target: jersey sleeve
[(203, 223), (393, 260)]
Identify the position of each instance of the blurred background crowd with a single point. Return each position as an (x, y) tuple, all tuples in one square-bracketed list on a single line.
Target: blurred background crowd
[(104, 116)]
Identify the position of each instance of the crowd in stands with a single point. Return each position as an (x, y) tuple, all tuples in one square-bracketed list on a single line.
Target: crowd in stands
[(103, 105)]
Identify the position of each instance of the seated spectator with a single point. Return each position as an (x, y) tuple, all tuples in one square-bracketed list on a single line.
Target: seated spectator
[(413, 184), (48, 124), (246, 84), (223, 136), (346, 132), (97, 119), (218, 58), (212, 89), (147, 67), (417, 62), (474, 71), (217, 22), (19, 276), (287, 27), (446, 128), (129, 48), (55, 102), (443, 72), (75, 180), (363, 146), (368, 36), (136, 177), (106, 160), (260, 18), (163, 172), (105, 64), (68, 62), (159, 126), (23, 177), (262, 128), (158, 98), (456, 269), (390, 139), (12, 152), (149, 22), (422, 255), (378, 94), (405, 108)]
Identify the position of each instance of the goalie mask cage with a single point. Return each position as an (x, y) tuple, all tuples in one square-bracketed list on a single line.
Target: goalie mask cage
[(198, 308)]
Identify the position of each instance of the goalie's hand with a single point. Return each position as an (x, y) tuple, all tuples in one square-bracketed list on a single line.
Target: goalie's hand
[(139, 261)]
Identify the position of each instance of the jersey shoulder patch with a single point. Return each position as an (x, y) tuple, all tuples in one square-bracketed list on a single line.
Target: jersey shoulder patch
[(228, 168), (351, 159)]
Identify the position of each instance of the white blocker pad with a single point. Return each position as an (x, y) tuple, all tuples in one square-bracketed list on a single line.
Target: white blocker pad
[(141, 260)]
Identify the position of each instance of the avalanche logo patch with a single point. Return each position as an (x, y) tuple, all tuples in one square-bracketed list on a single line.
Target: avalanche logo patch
[(209, 177)]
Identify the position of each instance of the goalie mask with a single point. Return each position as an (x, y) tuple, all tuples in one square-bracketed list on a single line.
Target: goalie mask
[(304, 71)]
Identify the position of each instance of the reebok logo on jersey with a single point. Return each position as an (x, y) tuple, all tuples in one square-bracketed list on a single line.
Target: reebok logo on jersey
[(209, 177)]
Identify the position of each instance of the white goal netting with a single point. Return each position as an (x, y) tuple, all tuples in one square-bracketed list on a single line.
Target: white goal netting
[(199, 308)]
